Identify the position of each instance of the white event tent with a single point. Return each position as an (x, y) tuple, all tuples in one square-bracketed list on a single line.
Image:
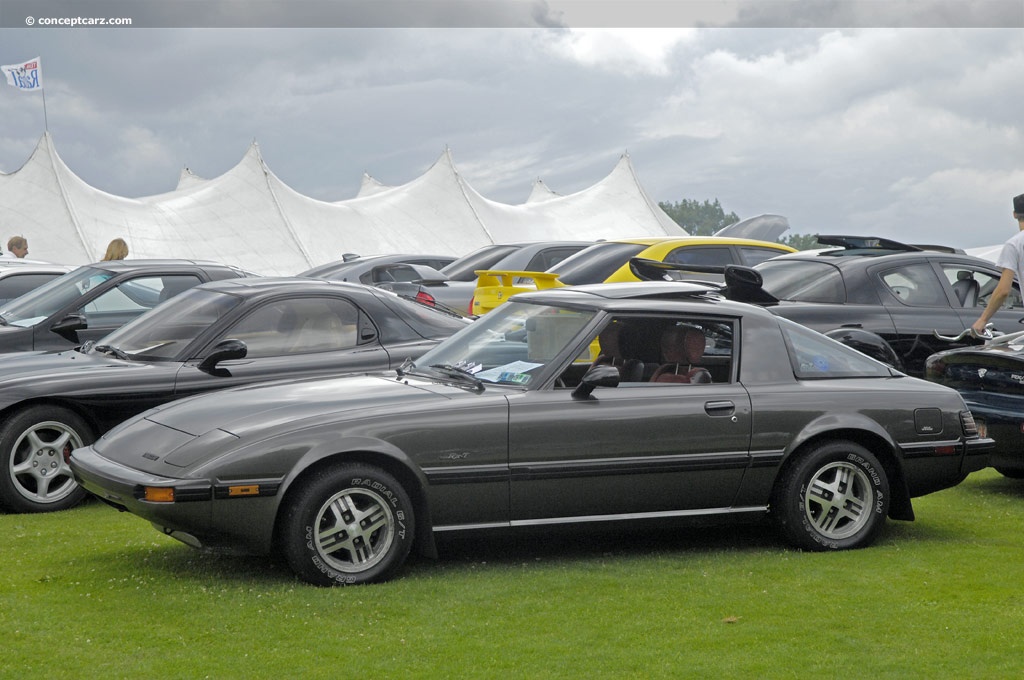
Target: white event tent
[(249, 218)]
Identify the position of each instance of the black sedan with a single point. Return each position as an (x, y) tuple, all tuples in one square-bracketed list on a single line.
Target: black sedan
[(214, 336), (991, 379), (569, 406), (887, 298), (93, 300)]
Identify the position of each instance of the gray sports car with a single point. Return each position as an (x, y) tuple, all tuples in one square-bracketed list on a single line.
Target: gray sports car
[(640, 401)]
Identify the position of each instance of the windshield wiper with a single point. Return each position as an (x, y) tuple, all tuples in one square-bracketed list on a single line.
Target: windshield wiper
[(3, 321), (110, 349), (462, 374), (406, 367)]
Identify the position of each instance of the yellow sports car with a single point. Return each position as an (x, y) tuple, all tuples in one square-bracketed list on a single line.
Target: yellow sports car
[(608, 262)]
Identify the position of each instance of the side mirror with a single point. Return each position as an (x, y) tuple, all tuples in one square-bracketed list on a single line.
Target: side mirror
[(222, 351), (597, 376), (69, 326)]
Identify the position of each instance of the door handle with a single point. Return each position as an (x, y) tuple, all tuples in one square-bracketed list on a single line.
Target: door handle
[(719, 408)]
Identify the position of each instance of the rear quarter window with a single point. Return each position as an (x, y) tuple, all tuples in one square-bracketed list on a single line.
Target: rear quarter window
[(803, 281), (815, 356), (915, 285)]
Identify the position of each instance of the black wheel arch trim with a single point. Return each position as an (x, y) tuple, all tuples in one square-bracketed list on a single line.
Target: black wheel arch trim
[(868, 433), (371, 451)]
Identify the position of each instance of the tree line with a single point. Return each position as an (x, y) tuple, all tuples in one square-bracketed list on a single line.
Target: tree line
[(705, 218)]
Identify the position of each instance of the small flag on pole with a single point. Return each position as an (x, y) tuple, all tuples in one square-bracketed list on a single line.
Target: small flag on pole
[(27, 77)]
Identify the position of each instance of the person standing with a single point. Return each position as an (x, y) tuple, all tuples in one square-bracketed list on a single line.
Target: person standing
[(17, 247), (116, 250), (1011, 261)]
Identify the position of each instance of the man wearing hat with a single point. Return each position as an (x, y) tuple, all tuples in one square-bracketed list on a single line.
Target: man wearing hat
[(1011, 261)]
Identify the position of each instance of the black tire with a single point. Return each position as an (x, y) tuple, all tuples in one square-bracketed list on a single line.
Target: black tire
[(1012, 473), (339, 498), (834, 497), (34, 447)]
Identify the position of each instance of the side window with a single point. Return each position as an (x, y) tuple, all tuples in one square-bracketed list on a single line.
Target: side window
[(389, 273), (16, 285), (286, 327), (548, 258), (972, 286), (815, 356), (140, 294), (976, 294), (752, 255), (915, 285), (714, 255), (658, 350), (404, 272)]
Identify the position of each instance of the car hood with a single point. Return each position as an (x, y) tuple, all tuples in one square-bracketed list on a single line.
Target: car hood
[(268, 405), (25, 375), (15, 338)]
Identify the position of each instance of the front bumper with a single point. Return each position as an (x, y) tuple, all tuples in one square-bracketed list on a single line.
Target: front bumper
[(205, 518)]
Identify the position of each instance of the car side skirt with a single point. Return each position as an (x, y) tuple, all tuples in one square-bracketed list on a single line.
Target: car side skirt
[(703, 512)]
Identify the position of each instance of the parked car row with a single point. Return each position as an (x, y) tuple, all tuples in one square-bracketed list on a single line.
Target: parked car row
[(452, 285), (351, 426), (512, 422), (608, 262)]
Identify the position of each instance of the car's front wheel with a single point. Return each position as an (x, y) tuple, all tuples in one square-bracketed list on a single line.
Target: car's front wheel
[(835, 496), (34, 447), (347, 525)]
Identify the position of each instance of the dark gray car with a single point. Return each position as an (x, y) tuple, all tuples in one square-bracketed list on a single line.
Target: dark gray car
[(95, 299), (533, 416), (217, 335)]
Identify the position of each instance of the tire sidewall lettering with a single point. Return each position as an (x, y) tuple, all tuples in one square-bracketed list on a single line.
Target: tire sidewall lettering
[(304, 553), (803, 529), (868, 468), (377, 486)]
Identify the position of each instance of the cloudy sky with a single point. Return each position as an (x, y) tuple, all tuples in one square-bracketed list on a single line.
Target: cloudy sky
[(880, 117)]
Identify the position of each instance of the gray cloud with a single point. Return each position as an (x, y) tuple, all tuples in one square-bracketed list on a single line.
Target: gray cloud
[(905, 133)]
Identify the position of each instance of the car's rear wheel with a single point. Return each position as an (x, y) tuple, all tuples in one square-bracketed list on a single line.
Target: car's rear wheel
[(35, 444), (835, 496), (1012, 473), (348, 524)]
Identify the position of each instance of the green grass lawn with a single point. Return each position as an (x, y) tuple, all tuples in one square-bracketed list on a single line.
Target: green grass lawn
[(93, 593)]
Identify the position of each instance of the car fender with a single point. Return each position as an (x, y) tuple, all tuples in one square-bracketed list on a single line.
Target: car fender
[(869, 433), (374, 452)]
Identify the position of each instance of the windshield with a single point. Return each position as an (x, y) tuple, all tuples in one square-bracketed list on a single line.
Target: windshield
[(39, 304), (463, 268), (802, 280), (513, 345), (595, 263), (164, 333)]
